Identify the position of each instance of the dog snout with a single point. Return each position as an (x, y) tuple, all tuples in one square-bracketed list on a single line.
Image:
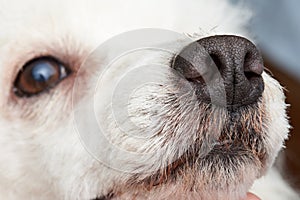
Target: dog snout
[(224, 69)]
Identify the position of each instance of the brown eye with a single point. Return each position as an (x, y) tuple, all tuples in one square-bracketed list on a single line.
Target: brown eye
[(39, 75)]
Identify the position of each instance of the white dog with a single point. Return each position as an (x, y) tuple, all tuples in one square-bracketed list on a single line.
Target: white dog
[(147, 114)]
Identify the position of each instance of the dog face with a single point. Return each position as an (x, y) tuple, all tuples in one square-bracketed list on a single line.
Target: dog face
[(163, 123)]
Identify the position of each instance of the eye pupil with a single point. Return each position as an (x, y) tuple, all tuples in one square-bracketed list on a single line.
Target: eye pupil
[(39, 75), (43, 72)]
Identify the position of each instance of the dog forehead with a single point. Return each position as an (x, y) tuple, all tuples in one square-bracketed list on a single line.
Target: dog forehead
[(108, 18)]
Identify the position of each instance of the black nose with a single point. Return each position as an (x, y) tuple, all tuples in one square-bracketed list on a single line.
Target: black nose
[(224, 70)]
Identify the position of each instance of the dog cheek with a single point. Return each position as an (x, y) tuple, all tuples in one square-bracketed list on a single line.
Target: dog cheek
[(277, 125)]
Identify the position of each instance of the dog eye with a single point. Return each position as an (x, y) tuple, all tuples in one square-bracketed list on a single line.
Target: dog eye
[(39, 75)]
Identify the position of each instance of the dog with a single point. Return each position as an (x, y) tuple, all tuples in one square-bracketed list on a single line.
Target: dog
[(136, 100)]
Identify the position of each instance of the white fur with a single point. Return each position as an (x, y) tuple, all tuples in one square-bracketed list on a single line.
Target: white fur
[(42, 156)]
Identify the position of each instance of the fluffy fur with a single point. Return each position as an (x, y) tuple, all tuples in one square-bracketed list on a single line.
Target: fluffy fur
[(163, 148)]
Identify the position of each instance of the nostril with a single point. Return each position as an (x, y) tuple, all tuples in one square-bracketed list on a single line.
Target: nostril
[(247, 59), (216, 60), (251, 75), (253, 66)]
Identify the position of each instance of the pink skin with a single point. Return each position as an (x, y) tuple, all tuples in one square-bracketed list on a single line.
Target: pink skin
[(251, 196)]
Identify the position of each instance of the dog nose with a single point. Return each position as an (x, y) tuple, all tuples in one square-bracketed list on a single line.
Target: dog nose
[(224, 70)]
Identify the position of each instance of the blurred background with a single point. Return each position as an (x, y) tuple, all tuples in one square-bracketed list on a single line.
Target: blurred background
[(276, 27)]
